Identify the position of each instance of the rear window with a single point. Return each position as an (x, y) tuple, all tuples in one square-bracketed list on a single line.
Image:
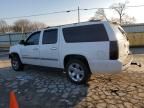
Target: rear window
[(120, 30), (88, 33), (123, 32)]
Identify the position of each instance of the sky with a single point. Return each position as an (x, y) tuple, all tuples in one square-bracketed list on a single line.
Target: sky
[(14, 8)]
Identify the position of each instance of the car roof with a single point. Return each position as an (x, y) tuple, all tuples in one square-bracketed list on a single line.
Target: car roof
[(76, 24)]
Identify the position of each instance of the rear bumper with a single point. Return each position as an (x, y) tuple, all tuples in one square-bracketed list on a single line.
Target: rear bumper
[(110, 66)]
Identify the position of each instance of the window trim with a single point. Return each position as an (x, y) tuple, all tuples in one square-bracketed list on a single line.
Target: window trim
[(55, 29), (82, 26), (31, 36)]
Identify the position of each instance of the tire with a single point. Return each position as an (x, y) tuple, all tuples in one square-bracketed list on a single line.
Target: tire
[(77, 71), (16, 63)]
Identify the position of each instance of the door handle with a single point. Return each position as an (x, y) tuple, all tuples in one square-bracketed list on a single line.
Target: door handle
[(53, 48), (35, 49)]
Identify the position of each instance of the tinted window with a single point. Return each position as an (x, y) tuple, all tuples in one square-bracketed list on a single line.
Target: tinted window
[(33, 39), (89, 33), (50, 36)]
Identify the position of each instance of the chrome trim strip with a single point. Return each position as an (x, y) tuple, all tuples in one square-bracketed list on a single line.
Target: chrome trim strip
[(52, 59)]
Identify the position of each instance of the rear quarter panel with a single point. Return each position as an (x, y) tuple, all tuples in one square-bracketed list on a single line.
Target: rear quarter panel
[(92, 51)]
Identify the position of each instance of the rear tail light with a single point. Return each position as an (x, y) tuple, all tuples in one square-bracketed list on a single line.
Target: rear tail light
[(114, 52)]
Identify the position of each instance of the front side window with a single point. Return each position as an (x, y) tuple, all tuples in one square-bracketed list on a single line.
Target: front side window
[(50, 36), (33, 39), (87, 33)]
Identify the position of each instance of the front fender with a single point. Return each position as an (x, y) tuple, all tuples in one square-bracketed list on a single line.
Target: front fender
[(15, 49)]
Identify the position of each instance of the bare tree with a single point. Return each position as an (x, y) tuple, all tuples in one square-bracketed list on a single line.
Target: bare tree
[(22, 25), (37, 25), (120, 9), (4, 27), (25, 25), (128, 20), (100, 14)]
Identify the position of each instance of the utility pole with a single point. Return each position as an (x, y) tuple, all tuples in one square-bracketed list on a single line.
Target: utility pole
[(78, 14)]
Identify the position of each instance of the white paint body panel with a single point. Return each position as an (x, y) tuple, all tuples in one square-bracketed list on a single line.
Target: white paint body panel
[(96, 53), (30, 51), (49, 54)]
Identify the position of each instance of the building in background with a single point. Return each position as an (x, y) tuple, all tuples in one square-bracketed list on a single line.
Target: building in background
[(135, 34)]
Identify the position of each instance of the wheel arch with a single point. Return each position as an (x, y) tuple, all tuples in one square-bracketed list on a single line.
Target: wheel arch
[(13, 53), (75, 56)]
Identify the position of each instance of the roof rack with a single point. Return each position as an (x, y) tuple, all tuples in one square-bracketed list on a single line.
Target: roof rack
[(114, 22), (95, 20), (73, 23)]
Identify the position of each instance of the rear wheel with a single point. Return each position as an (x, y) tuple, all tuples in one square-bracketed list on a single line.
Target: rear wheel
[(77, 71), (16, 63)]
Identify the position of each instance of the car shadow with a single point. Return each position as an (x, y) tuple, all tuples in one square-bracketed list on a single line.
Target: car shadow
[(41, 87), (54, 88)]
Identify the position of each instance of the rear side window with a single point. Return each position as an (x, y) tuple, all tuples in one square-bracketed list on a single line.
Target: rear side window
[(49, 36), (88, 33)]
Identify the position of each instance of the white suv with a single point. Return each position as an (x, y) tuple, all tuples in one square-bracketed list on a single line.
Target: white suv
[(80, 49)]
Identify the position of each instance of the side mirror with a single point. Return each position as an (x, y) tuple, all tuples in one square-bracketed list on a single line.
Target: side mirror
[(22, 42)]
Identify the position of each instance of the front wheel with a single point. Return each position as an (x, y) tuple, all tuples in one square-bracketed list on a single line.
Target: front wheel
[(78, 71), (16, 63)]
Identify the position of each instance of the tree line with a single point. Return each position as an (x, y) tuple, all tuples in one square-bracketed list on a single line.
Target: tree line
[(22, 25)]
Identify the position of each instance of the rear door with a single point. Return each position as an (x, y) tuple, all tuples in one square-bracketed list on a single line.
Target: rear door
[(49, 50)]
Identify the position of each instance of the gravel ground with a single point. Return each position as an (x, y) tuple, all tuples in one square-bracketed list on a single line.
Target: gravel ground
[(38, 87)]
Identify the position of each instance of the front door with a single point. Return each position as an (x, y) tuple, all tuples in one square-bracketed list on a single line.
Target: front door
[(30, 52), (49, 53)]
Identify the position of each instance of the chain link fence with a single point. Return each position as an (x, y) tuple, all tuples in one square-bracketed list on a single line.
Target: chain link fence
[(7, 40)]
